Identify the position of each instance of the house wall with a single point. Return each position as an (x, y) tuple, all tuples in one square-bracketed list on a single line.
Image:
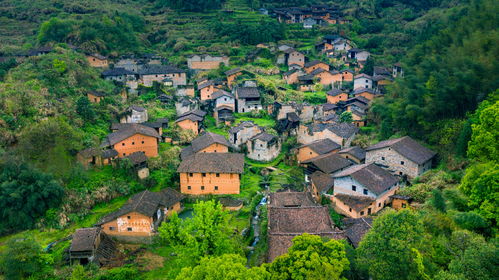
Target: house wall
[(95, 62), (398, 203), (350, 157), (135, 117), (227, 101), (296, 58), (137, 143), (292, 78), (362, 83), (347, 76), (337, 98), (393, 161), (244, 107), (227, 183), (206, 92), (188, 124), (232, 78), (179, 79), (206, 62), (307, 113), (94, 99), (305, 138), (377, 205), (244, 135), (326, 78), (367, 95), (258, 150), (317, 66), (140, 224), (215, 148), (177, 207)]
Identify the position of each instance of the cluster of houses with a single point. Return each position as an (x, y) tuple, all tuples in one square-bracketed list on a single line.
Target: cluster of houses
[(358, 182), (310, 16)]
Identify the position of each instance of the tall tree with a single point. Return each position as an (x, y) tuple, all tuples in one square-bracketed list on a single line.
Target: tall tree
[(311, 258)]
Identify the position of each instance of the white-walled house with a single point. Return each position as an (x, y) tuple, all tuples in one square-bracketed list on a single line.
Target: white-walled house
[(362, 81)]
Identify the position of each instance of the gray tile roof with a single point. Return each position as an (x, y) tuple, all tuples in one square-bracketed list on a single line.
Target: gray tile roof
[(371, 176), (407, 147), (153, 69), (116, 72), (291, 198), (221, 93), (232, 71), (265, 137), (329, 163), (84, 239), (355, 202), (247, 92), (322, 146), (335, 92), (202, 142), (355, 229), (130, 130), (213, 163), (355, 151), (137, 158), (313, 63), (344, 130), (322, 181)]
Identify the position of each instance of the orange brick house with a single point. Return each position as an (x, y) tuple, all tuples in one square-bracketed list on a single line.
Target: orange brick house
[(191, 120), (363, 190), (336, 95), (211, 173), (325, 78), (291, 77), (314, 65), (133, 138), (367, 93), (97, 60), (347, 75), (207, 143), (206, 89), (206, 61), (142, 214), (232, 75), (95, 96), (315, 149)]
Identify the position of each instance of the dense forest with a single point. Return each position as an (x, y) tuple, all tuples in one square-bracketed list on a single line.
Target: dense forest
[(449, 99)]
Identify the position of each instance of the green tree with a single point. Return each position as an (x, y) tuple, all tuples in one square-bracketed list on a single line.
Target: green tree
[(171, 231), (311, 258), (484, 145), (84, 109), (79, 273), (346, 117), (25, 195), (477, 263), (481, 185), (54, 30), (387, 249), (225, 267), (438, 201), (23, 258)]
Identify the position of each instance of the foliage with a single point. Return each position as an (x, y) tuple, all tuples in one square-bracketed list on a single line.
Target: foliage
[(191, 5), (267, 30), (23, 258), (54, 30), (224, 267), (25, 195), (346, 117), (84, 109), (386, 250), (119, 273), (484, 145), (477, 262), (311, 258), (438, 201), (78, 273)]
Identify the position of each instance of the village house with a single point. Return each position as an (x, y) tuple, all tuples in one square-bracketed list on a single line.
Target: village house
[(401, 156), (118, 74), (96, 156), (191, 120), (320, 184), (133, 138), (397, 70), (225, 106), (187, 90), (315, 149), (381, 81), (263, 147), (206, 61), (129, 63), (40, 51), (362, 81), (323, 46), (358, 117), (355, 229), (325, 78), (340, 133), (336, 95), (91, 245), (248, 99), (358, 103), (330, 118), (207, 143), (363, 190), (329, 163), (134, 114), (367, 93), (288, 126), (295, 67), (207, 88), (306, 83), (185, 105), (291, 77), (97, 60), (358, 54), (95, 96), (240, 134), (142, 214), (138, 160), (355, 154), (291, 56), (400, 201), (231, 204), (159, 125), (293, 213), (339, 43), (330, 109), (158, 73), (211, 173), (232, 75), (346, 75), (309, 67)]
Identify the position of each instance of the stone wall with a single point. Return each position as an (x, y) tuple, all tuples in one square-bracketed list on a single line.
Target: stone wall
[(393, 162), (258, 150)]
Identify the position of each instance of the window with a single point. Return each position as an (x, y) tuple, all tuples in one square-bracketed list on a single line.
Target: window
[(216, 188), (202, 188), (129, 229), (261, 145), (133, 143), (367, 81), (124, 154), (111, 228), (362, 213), (404, 205), (190, 174), (350, 210), (382, 158), (354, 188), (365, 191), (122, 144), (217, 174), (204, 174), (142, 142), (128, 217), (400, 173), (402, 162), (367, 86), (189, 187), (379, 204)]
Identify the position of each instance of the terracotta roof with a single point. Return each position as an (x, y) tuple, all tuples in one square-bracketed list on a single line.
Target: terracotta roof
[(130, 130), (84, 239), (355, 229), (356, 202), (407, 147), (146, 203), (290, 198), (355, 151), (322, 181), (336, 92), (371, 176), (202, 142), (247, 92), (213, 163), (329, 163), (322, 146)]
